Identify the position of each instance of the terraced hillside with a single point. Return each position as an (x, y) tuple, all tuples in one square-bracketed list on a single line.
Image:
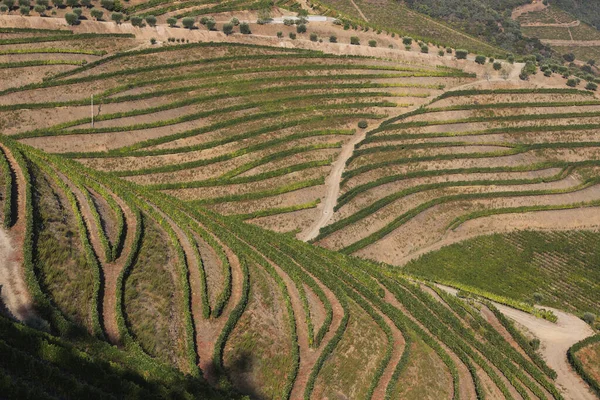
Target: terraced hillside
[(472, 162), (241, 129), (273, 316), (129, 229)]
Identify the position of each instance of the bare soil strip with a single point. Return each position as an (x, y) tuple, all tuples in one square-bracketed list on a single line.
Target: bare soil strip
[(13, 289)]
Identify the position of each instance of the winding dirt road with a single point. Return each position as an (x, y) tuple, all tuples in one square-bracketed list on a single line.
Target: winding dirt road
[(556, 339)]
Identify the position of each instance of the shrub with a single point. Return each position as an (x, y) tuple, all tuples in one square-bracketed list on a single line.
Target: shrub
[(292, 35), (572, 82), (3, 8), (9, 3), (301, 28), (228, 28), (72, 3), (136, 20), (24, 10), (548, 72), (497, 66), (441, 53), (461, 54), (77, 11), (407, 41), (71, 18), (172, 21), (372, 43), (108, 4), (152, 41), (245, 28), (362, 124), (39, 9), (188, 22), (407, 48), (234, 21), (58, 3), (354, 40), (589, 318), (288, 22), (314, 37), (96, 13), (86, 3), (534, 343), (424, 49), (279, 34), (332, 39), (537, 298), (479, 59), (569, 57), (210, 24), (448, 50), (151, 20), (117, 17), (591, 86)]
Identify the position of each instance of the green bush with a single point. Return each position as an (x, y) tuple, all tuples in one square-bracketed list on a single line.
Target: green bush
[(245, 28), (461, 54), (188, 22), (172, 21), (441, 53), (424, 49), (372, 43), (354, 40), (497, 66), (71, 18), (117, 17), (234, 21), (448, 50), (210, 24), (589, 318), (96, 13), (301, 28), (3, 8), (280, 34), (24, 10), (363, 124), (107, 4), (332, 39), (151, 20), (572, 82), (591, 86), (479, 59), (407, 41), (39, 9), (228, 28), (137, 21)]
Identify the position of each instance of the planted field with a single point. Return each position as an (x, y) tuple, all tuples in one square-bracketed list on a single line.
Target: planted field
[(130, 228), (557, 269), (244, 130), (282, 294), (429, 177)]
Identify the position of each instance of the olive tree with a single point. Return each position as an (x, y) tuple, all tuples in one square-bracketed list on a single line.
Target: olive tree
[(188, 22), (117, 17), (71, 18), (172, 21), (96, 13), (151, 20), (228, 28)]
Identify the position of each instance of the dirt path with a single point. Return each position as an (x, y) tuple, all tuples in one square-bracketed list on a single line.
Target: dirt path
[(332, 185), (13, 288), (555, 339), (359, 10), (557, 25), (578, 43)]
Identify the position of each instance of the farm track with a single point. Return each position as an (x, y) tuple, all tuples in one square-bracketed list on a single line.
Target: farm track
[(556, 339)]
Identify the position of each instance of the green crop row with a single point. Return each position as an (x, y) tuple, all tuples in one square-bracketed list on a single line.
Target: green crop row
[(501, 351), (346, 197), (474, 92), (292, 187), (522, 341), (460, 107), (58, 38), (32, 30), (7, 205), (402, 219), (579, 367), (505, 118), (90, 255), (379, 204), (106, 247), (245, 179), (276, 211), (518, 210), (53, 50), (38, 63)]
